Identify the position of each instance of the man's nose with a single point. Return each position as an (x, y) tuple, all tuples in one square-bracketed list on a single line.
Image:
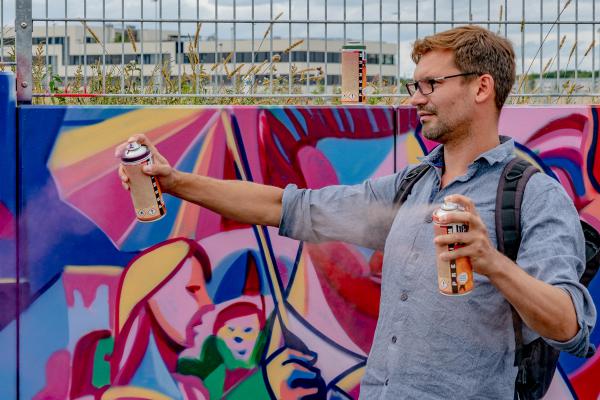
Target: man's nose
[(418, 99)]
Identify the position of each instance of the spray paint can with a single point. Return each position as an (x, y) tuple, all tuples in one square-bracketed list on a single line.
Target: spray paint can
[(354, 72), (455, 277), (145, 191)]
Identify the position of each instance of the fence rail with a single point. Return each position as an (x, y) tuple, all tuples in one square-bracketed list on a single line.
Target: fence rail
[(277, 48)]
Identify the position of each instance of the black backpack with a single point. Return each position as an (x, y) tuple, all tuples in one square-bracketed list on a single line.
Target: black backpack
[(536, 361)]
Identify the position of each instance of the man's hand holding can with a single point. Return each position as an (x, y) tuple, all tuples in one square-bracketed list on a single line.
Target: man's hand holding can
[(140, 169), (476, 244), (160, 167)]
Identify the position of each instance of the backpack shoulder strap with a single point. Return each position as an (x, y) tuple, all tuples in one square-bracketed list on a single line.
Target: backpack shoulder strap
[(408, 182), (592, 252), (511, 188)]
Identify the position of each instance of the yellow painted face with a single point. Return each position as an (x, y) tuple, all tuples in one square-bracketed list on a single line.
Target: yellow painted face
[(240, 334)]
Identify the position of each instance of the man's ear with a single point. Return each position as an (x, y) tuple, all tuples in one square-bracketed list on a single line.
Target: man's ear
[(485, 89)]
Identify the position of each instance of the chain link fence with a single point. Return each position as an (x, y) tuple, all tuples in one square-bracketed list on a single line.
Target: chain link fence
[(278, 49)]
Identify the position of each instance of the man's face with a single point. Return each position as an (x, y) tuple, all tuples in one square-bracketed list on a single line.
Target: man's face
[(181, 302), (446, 112)]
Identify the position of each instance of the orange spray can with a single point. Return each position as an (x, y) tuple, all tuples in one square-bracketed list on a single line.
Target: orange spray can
[(455, 277)]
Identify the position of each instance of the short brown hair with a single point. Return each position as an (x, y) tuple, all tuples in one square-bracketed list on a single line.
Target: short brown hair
[(476, 49)]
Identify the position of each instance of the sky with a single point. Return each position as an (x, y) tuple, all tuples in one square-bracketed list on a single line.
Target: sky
[(526, 43)]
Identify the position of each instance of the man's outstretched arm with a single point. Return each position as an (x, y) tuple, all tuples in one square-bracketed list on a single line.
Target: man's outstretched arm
[(245, 202)]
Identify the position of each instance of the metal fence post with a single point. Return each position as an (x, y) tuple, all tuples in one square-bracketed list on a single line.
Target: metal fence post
[(23, 31)]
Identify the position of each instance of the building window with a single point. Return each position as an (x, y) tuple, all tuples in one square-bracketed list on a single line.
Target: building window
[(52, 60), (89, 59), (132, 57), (317, 56), (388, 59), (372, 58), (38, 40), (207, 58), (244, 57), (150, 58), (334, 80), (298, 56), (333, 57), (262, 56)]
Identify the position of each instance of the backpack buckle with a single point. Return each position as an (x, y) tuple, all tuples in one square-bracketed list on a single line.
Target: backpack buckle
[(513, 175), (412, 174), (522, 375)]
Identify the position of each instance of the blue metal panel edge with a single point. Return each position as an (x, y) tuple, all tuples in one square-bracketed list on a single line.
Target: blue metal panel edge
[(9, 288)]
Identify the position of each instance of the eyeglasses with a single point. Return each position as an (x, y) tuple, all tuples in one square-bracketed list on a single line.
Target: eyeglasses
[(425, 86)]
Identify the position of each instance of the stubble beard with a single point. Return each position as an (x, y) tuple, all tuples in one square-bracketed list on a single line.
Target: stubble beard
[(438, 132), (444, 130)]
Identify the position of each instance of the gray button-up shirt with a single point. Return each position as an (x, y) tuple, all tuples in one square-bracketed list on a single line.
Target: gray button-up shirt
[(427, 345)]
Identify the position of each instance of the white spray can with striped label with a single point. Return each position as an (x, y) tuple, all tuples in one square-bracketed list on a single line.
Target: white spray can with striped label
[(145, 190)]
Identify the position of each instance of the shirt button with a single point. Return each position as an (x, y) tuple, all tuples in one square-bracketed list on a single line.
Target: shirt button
[(394, 339), (387, 381), (404, 296)]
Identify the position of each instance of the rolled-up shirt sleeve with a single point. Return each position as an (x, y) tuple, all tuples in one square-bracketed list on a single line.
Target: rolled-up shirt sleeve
[(359, 214), (553, 250)]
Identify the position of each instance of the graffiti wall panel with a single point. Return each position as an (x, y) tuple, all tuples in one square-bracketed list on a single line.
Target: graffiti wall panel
[(193, 306), (8, 233), (198, 306), (562, 142)]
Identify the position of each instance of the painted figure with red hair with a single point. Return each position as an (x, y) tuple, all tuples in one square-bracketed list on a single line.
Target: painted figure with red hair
[(229, 361)]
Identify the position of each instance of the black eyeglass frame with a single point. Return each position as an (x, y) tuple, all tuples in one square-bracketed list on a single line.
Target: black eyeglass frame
[(432, 81)]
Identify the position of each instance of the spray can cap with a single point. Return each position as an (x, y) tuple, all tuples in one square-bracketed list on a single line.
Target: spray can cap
[(131, 146), (135, 152), (450, 206)]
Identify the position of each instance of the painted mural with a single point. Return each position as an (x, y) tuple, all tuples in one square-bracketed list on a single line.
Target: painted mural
[(193, 306), (563, 142), (196, 306)]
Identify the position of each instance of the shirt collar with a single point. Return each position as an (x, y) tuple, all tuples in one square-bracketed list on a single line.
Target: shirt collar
[(499, 153)]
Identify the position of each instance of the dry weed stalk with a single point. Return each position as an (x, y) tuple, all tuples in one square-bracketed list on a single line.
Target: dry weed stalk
[(524, 76), (500, 19), (269, 29), (131, 37), (235, 71), (38, 68), (293, 45)]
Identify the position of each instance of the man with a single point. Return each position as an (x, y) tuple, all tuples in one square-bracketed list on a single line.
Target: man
[(426, 345)]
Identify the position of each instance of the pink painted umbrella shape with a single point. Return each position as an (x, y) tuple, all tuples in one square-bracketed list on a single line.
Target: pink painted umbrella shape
[(7, 223), (194, 142)]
